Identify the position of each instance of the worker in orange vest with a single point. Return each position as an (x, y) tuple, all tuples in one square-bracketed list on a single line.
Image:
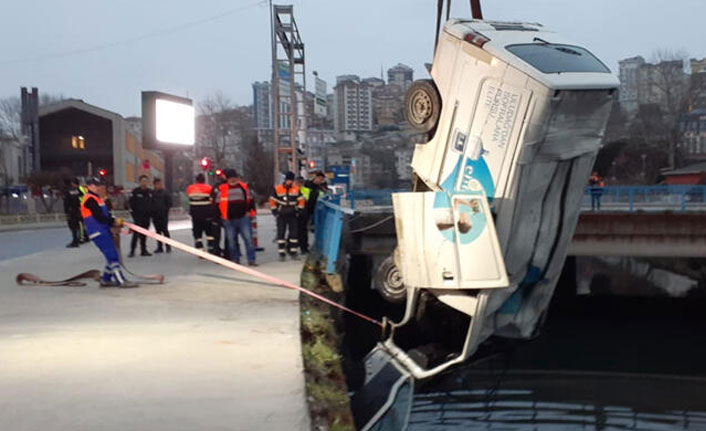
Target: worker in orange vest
[(201, 208), (237, 209), (286, 203), (98, 222)]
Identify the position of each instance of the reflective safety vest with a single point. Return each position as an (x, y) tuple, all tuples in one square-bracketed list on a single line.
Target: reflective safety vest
[(200, 203), (223, 200), (287, 199), (93, 226), (305, 192)]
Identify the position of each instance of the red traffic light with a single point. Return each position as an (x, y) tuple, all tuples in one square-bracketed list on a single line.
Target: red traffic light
[(205, 163), (102, 172)]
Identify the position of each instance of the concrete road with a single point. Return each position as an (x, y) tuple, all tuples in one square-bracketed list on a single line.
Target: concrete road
[(208, 350)]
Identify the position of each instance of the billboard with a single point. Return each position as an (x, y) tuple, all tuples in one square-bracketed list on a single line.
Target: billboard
[(320, 97), (167, 121)]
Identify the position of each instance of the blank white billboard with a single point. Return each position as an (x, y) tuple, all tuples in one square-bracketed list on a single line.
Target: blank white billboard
[(175, 122)]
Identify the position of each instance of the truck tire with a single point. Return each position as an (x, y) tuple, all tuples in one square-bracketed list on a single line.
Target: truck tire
[(422, 104), (388, 282)]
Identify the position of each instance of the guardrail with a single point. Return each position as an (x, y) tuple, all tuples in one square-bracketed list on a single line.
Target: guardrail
[(647, 198), (29, 219)]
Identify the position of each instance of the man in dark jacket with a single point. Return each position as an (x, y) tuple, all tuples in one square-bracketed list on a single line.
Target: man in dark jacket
[(72, 205), (161, 202), (141, 210)]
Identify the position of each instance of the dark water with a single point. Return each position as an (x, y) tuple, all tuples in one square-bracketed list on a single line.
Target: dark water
[(600, 363), (524, 401)]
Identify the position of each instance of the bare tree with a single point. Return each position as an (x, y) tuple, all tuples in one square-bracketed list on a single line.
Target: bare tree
[(664, 89), (222, 129), (10, 122)]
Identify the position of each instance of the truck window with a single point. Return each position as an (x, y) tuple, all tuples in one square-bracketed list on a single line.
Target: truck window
[(556, 58)]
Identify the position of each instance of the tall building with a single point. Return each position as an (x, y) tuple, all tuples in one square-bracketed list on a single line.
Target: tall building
[(629, 69), (354, 105), (400, 75), (262, 105), (388, 105)]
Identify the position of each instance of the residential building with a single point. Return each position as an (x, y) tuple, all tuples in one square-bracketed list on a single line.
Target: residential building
[(388, 105), (354, 105), (663, 84), (629, 71), (698, 66), (693, 128), (83, 138), (262, 105), (374, 82), (400, 75)]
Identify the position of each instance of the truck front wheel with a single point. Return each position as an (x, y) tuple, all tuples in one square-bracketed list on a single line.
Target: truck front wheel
[(389, 283), (423, 106)]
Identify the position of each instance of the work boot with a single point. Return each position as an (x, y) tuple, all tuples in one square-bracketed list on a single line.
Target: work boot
[(169, 249), (72, 245), (282, 257), (132, 253), (294, 256), (252, 264), (145, 253), (108, 283), (158, 250)]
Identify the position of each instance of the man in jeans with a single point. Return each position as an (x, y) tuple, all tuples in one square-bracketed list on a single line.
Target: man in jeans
[(237, 208)]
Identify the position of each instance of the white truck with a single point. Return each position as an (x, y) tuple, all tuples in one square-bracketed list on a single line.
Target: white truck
[(515, 115)]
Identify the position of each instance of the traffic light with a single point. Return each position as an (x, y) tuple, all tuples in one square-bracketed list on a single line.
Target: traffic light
[(312, 164), (102, 172), (219, 172), (205, 163)]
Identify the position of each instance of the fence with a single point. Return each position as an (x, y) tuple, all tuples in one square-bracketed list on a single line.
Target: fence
[(648, 198)]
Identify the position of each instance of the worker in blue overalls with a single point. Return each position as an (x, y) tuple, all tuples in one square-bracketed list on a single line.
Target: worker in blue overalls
[(98, 222)]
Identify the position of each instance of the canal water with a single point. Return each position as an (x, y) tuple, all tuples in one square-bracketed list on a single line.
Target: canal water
[(601, 362)]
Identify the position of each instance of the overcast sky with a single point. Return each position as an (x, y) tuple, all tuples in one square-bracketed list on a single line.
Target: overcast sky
[(107, 52)]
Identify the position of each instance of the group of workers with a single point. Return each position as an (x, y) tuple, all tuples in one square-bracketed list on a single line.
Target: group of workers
[(230, 206)]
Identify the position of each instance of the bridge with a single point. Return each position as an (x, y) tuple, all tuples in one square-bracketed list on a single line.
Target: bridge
[(637, 221)]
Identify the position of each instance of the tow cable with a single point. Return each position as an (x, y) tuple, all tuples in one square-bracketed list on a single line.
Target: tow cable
[(245, 270), (30, 279)]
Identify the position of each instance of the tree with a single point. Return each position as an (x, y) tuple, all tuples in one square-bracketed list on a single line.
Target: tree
[(664, 101), (259, 167), (222, 128), (47, 185)]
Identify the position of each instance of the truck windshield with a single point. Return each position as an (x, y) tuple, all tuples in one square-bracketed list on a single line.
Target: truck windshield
[(556, 58)]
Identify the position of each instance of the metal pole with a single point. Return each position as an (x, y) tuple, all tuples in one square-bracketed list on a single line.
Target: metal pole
[(292, 105), (274, 95)]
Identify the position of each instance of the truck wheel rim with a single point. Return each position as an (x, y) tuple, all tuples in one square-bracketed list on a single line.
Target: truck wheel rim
[(421, 106)]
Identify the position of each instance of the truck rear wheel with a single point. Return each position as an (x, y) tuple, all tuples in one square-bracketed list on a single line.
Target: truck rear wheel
[(389, 283), (423, 105)]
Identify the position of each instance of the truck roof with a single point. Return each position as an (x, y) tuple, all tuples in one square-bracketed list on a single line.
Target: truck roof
[(546, 56)]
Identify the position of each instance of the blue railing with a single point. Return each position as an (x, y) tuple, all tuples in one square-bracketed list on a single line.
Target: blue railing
[(647, 198)]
